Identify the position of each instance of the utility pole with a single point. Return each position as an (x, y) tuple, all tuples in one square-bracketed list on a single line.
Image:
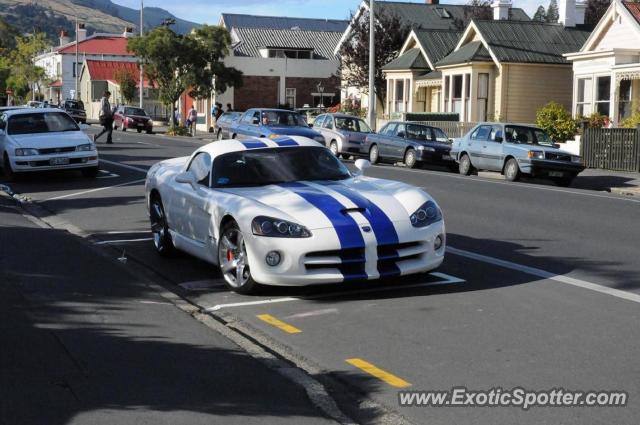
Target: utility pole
[(372, 69), (141, 66)]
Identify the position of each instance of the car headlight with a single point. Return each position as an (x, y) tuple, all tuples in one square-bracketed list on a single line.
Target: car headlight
[(84, 148), (427, 214), (26, 152), (535, 154), (319, 139), (576, 159), (426, 148), (276, 228)]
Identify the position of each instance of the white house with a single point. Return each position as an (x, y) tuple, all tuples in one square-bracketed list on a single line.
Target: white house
[(606, 71), (60, 62)]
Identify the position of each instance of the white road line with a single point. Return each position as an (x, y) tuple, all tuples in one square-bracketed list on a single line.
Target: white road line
[(129, 167), (121, 232), (518, 185), (84, 192), (447, 280), (546, 275), (154, 302), (119, 241)]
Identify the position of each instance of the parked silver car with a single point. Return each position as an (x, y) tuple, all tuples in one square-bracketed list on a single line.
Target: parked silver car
[(513, 150), (344, 134)]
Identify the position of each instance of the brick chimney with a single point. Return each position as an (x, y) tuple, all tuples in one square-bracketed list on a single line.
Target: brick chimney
[(82, 32), (64, 38), (501, 9), (432, 1)]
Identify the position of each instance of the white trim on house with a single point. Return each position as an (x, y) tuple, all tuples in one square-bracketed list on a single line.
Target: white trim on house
[(363, 6), (464, 39), (615, 9)]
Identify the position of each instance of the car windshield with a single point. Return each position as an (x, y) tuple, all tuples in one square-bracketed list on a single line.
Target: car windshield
[(41, 122), (352, 124), (527, 135), (135, 111), (261, 167), (74, 104), (279, 118)]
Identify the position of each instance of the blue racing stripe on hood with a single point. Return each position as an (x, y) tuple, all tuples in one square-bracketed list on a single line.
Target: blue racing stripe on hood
[(253, 144), (285, 141), (380, 223)]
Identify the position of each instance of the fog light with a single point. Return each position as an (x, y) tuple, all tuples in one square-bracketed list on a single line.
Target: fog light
[(273, 258), (437, 244)]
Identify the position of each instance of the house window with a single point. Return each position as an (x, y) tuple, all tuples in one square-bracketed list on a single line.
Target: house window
[(447, 97), (290, 97), (399, 89), (603, 95), (584, 104), (467, 96), (624, 107), (76, 66), (290, 54), (483, 96), (58, 73), (457, 94)]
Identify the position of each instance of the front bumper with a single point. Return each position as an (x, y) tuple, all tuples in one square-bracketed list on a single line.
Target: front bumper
[(545, 167), (134, 125), (33, 163), (320, 259)]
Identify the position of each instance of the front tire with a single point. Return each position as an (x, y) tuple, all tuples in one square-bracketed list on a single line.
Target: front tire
[(333, 147), (160, 228), (410, 158), (233, 260), (465, 166), (90, 173), (373, 154), (512, 170)]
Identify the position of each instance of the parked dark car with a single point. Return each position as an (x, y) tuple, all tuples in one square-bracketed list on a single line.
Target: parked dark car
[(75, 108), (272, 123), (411, 143), (514, 150), (344, 134), (131, 117), (224, 123)]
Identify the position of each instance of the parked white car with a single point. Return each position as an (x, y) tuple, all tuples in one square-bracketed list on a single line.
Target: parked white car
[(44, 139), (286, 211)]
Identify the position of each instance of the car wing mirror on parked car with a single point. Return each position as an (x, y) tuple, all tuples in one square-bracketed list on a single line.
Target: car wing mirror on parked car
[(361, 165), (255, 121), (401, 134), (187, 178)]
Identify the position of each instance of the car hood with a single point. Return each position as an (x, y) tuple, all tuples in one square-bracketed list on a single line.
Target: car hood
[(294, 131), (51, 140), (376, 201)]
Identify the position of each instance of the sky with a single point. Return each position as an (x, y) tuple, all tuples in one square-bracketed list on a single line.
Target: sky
[(208, 11)]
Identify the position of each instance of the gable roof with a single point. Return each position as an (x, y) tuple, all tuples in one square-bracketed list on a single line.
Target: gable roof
[(470, 52), (251, 40), (99, 45), (634, 9), (106, 70), (231, 20), (437, 43), (411, 59), (624, 9)]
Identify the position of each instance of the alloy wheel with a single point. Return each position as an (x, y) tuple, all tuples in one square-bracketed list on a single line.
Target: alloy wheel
[(232, 255)]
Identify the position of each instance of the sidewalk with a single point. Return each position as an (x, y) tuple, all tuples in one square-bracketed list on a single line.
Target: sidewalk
[(83, 341)]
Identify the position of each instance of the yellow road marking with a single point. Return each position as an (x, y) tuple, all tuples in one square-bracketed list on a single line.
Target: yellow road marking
[(387, 377), (278, 324)]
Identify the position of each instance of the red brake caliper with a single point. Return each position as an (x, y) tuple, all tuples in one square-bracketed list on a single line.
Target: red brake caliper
[(229, 255)]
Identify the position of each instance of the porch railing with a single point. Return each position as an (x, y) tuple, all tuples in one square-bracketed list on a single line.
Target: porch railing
[(612, 148)]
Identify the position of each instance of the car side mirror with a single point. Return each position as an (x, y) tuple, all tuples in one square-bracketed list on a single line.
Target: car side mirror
[(401, 134), (187, 178), (361, 165), (255, 121)]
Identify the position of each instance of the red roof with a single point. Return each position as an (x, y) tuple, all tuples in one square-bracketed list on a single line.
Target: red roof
[(100, 45), (106, 70), (634, 8), (56, 83)]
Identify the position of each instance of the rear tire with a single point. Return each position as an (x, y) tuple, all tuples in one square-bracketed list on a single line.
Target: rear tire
[(233, 260), (465, 166), (373, 154), (90, 173), (160, 228), (512, 170), (410, 158)]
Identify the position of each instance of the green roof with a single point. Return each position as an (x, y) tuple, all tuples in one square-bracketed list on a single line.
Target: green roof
[(431, 75), (438, 43), (411, 59), (470, 52), (531, 42), (434, 16)]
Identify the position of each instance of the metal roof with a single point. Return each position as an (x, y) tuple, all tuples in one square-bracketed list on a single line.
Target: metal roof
[(470, 52), (411, 59), (232, 20), (531, 42), (254, 39), (438, 43), (634, 8), (431, 75), (434, 16)]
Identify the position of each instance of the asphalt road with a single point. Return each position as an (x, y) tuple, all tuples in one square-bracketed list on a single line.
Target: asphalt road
[(540, 289)]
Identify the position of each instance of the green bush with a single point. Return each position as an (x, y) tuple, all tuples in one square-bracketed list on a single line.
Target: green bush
[(596, 120), (557, 121), (633, 121), (178, 131)]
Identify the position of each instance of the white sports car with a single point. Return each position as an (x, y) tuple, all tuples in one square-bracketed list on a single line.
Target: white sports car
[(287, 212)]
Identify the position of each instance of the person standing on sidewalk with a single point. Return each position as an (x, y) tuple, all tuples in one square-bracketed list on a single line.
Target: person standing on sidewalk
[(193, 119), (106, 118)]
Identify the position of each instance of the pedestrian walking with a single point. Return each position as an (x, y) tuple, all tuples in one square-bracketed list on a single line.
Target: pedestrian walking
[(106, 118), (193, 120)]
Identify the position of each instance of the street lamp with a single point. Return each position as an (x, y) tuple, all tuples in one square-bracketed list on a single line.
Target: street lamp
[(141, 66), (320, 88)]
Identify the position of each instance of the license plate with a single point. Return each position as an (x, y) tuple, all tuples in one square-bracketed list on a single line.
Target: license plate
[(556, 174), (140, 125), (59, 161), (446, 157)]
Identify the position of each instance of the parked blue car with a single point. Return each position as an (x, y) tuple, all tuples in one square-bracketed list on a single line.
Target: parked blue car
[(272, 123), (410, 143)]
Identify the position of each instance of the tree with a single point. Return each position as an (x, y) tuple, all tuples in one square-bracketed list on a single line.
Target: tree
[(390, 35), (553, 13), (179, 62), (557, 121), (474, 10), (127, 85), (595, 10), (540, 15), (24, 75), (8, 36)]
